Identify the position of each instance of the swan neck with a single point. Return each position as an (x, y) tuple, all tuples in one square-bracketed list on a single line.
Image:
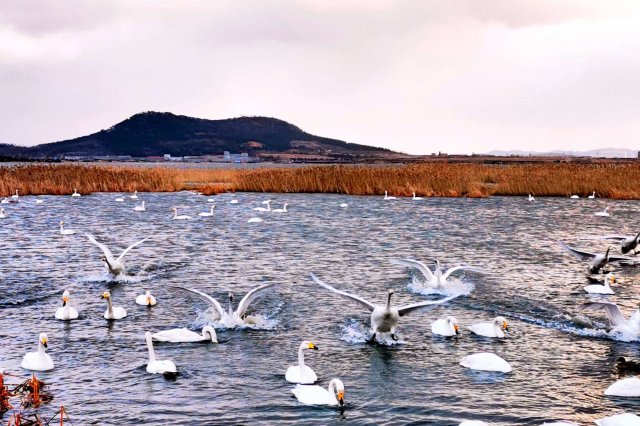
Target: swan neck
[(109, 307), (301, 358), (41, 349), (152, 354), (389, 301)]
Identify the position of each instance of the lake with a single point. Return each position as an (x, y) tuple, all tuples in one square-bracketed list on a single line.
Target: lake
[(562, 357)]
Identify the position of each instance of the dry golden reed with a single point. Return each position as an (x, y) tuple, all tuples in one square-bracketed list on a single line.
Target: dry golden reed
[(431, 179)]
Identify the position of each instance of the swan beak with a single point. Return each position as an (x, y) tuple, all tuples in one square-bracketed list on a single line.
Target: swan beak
[(312, 346), (505, 326), (456, 328), (612, 279), (65, 300), (148, 301), (44, 342), (341, 397), (104, 295)]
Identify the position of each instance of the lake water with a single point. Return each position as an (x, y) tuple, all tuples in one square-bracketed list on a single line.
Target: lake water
[(562, 358)]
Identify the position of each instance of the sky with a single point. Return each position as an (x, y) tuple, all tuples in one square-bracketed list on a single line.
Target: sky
[(456, 76)]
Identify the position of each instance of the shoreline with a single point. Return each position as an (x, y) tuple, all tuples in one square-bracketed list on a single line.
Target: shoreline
[(614, 181)]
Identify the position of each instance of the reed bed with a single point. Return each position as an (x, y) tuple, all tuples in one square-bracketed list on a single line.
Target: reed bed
[(619, 181)]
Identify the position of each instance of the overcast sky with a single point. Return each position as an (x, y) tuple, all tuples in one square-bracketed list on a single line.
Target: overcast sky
[(455, 76)]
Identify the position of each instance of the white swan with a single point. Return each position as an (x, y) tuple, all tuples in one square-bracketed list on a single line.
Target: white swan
[(67, 312), (531, 198), (627, 243), (207, 214), (437, 278), (255, 220), (445, 326), (592, 196), (603, 213), (232, 318), (624, 387), (234, 201), (384, 318), (154, 365), (603, 288), (146, 299), (134, 196), (282, 210), (316, 395), (113, 313), (40, 360), (39, 201), (597, 261), (624, 419), (211, 200), (179, 217), (630, 328), (115, 266), (65, 231), (120, 199), (140, 208), (387, 197), (3, 215), (262, 209), (486, 361), (5, 200), (575, 196), (75, 193), (344, 205), (416, 198), (302, 373), (490, 328), (15, 196), (182, 335)]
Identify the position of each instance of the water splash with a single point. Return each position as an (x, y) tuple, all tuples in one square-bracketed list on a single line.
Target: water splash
[(453, 286), (355, 332)]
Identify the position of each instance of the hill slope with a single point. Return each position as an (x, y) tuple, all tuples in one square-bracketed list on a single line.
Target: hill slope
[(158, 133)]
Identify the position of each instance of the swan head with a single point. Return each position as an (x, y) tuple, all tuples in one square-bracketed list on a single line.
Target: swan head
[(43, 339), (209, 333), (65, 297), (106, 295), (61, 222), (610, 278), (148, 296), (501, 322), (453, 321), (336, 385), (230, 297), (103, 258), (308, 345)]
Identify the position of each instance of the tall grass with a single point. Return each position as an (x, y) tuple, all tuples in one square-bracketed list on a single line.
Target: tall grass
[(431, 179)]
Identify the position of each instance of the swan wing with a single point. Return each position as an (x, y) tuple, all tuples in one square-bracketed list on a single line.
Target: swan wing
[(353, 297), (613, 237), (613, 311), (101, 246), (416, 264), (459, 268), (405, 310), (216, 305), (250, 297), (582, 255), (613, 258), (130, 247)]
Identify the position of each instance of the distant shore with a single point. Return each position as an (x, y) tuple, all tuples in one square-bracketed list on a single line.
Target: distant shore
[(609, 180)]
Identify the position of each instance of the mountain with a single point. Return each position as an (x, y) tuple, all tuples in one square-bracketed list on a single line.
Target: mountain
[(598, 153), (159, 133)]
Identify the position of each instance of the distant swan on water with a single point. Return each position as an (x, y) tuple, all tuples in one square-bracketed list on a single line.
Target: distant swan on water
[(146, 299), (592, 196), (176, 216), (435, 278), (40, 360), (115, 266), (134, 196), (182, 335), (16, 195), (302, 373), (387, 197), (316, 395), (207, 214), (603, 213), (416, 198), (113, 312), (255, 220), (531, 198), (67, 312), (262, 209), (65, 231), (282, 210), (140, 208), (485, 361), (3, 215), (120, 199), (75, 193), (445, 327), (490, 328)]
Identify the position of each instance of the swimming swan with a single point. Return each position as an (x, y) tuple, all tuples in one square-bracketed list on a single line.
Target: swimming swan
[(302, 373), (384, 318), (592, 196), (626, 243), (40, 360), (75, 193), (179, 217), (630, 328), (445, 326), (2, 214), (120, 199), (207, 214), (182, 335), (232, 318), (67, 312), (65, 231), (140, 208), (597, 260), (113, 313), (316, 395), (115, 266), (255, 220), (146, 299), (603, 213), (531, 198), (416, 198), (262, 209), (490, 328), (155, 366), (603, 288), (134, 196), (486, 361), (282, 210), (624, 387), (386, 197), (435, 278), (624, 419)]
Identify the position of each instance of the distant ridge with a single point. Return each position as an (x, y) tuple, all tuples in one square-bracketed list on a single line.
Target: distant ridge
[(158, 133), (598, 153)]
